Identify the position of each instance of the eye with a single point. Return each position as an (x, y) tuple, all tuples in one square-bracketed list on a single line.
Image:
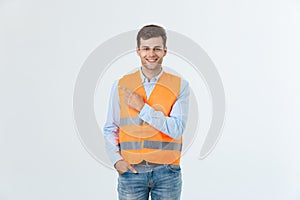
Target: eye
[(145, 48), (157, 49)]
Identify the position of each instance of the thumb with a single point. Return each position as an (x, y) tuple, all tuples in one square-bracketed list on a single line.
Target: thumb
[(132, 169)]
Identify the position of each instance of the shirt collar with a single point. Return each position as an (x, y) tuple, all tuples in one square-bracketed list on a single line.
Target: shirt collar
[(154, 79)]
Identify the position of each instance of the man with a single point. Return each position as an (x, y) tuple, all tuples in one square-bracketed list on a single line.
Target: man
[(146, 118)]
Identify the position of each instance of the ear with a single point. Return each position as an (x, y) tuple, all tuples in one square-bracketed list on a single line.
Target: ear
[(137, 50), (165, 51)]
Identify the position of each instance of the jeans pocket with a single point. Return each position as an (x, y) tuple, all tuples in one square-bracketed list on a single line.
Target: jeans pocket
[(174, 168), (124, 172)]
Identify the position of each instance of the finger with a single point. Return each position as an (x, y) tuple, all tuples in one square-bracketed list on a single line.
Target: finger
[(132, 169), (127, 95), (125, 89), (126, 100), (121, 87)]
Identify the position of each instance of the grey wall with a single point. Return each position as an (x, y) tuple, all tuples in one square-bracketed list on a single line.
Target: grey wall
[(254, 45)]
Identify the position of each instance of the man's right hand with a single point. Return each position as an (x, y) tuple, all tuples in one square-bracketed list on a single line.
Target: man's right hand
[(122, 166)]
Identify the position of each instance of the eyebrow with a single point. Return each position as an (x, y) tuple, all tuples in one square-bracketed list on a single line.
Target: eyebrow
[(153, 47)]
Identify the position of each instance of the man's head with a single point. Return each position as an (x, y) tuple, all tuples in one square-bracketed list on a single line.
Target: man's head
[(151, 47), (151, 31)]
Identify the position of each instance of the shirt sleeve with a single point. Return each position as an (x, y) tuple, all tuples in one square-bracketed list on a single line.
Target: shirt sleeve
[(174, 124), (111, 127)]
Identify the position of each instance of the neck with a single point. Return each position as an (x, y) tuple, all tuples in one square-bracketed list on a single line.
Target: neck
[(149, 74)]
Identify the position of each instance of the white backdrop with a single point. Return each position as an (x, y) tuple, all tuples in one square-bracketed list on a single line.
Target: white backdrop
[(254, 45)]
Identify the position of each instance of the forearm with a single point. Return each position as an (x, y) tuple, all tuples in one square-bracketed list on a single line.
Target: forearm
[(172, 126), (112, 149)]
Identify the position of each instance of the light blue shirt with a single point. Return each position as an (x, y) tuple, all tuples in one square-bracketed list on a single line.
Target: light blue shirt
[(172, 125)]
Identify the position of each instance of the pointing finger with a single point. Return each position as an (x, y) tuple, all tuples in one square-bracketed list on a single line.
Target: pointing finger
[(125, 89)]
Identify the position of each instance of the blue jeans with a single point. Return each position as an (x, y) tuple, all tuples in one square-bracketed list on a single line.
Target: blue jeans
[(162, 182)]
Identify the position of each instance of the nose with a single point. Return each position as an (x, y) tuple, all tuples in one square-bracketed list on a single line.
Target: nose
[(151, 52)]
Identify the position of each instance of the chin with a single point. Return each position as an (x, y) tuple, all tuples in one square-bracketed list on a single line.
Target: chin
[(152, 66)]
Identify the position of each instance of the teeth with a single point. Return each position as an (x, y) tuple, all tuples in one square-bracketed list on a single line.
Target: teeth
[(151, 60)]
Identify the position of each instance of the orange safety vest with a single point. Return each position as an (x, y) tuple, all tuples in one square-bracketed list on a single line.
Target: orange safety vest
[(138, 140)]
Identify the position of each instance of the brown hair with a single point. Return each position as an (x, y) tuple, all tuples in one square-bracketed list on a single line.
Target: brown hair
[(150, 31)]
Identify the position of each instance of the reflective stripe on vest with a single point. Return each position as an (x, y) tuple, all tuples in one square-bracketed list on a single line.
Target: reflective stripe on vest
[(151, 145), (130, 121)]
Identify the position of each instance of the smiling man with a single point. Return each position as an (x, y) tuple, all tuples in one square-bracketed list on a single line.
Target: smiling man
[(146, 119)]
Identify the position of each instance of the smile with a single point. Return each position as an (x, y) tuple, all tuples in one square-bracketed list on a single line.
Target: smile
[(152, 60)]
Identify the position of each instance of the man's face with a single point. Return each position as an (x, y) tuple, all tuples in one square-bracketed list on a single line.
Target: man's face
[(151, 52)]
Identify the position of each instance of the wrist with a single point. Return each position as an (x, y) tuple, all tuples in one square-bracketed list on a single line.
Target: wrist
[(117, 163), (141, 107)]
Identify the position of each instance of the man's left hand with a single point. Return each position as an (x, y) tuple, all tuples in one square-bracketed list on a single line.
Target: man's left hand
[(133, 99)]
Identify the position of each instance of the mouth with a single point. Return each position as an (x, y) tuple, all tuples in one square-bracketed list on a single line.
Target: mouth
[(151, 60)]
